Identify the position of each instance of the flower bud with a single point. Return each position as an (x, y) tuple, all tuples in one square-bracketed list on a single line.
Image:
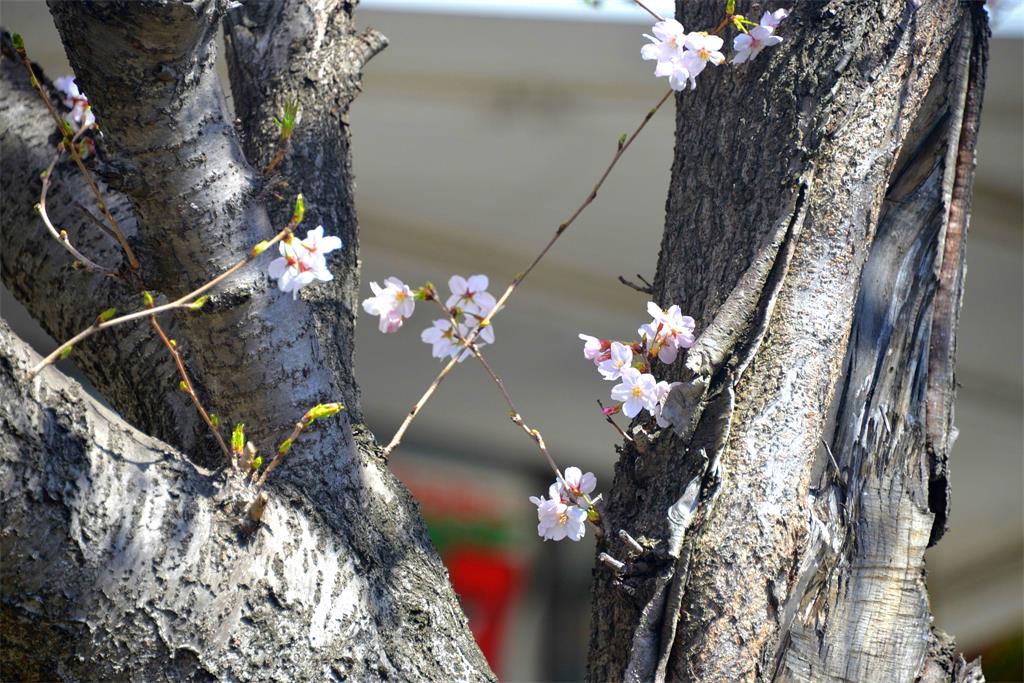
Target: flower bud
[(259, 248), (300, 210), (183, 385), (238, 438), (199, 303), (322, 410), (147, 298)]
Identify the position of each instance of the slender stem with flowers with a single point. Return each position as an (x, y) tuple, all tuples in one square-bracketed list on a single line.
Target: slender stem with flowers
[(471, 337), (69, 143), (190, 300)]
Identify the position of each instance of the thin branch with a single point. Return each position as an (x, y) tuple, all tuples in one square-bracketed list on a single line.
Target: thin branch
[(282, 149), (96, 221), (397, 438), (646, 288), (613, 423), (61, 235), (514, 414), (189, 389), (182, 302), (68, 142), (650, 11), (279, 456)]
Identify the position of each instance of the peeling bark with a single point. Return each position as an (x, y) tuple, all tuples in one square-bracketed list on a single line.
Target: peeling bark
[(776, 578)]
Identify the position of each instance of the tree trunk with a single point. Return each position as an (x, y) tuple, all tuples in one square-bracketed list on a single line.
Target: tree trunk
[(817, 212), (121, 556), (815, 228)]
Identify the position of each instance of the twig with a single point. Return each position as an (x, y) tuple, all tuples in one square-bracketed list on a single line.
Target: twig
[(613, 564), (514, 414), (631, 543), (189, 389), (646, 288), (650, 11), (96, 221), (182, 302), (397, 438), (61, 235), (282, 450), (613, 423), (282, 148), (68, 142)]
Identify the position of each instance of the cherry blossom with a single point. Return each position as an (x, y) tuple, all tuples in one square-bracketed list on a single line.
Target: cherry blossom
[(701, 48), (666, 47), (393, 303), (558, 520), (621, 357), (81, 113), (595, 349), (575, 485), (773, 19), (670, 330), (749, 45), (298, 267), (470, 295), (446, 343), (442, 337), (636, 392), (315, 242)]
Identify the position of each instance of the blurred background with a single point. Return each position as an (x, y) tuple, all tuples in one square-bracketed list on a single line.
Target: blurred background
[(480, 127)]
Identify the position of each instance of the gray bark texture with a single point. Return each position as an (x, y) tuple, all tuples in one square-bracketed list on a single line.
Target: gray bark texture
[(815, 229), (123, 556)]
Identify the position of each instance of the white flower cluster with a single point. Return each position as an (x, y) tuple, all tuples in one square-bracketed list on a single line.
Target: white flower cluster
[(469, 303), (748, 45), (81, 113), (564, 513), (630, 363), (393, 303), (682, 56), (303, 262)]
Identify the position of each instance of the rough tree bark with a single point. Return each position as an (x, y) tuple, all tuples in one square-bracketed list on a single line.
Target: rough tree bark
[(815, 227), (818, 207), (121, 558)]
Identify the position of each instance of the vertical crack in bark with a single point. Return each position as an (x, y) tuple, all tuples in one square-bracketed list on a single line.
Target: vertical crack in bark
[(858, 608)]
